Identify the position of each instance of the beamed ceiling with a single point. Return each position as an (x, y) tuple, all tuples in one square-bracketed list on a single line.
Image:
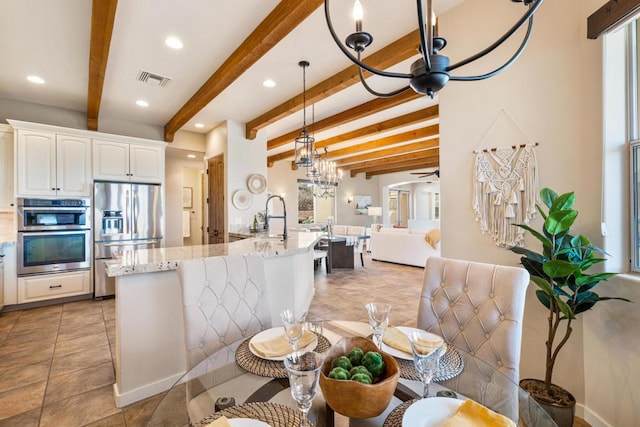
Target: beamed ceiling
[(229, 50)]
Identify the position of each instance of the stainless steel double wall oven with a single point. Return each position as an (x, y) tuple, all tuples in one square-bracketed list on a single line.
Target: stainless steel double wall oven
[(54, 235)]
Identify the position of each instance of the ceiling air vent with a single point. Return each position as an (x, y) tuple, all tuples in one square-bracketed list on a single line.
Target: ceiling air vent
[(153, 79)]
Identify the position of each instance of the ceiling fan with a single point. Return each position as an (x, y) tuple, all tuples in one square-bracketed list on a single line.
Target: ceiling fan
[(426, 174)]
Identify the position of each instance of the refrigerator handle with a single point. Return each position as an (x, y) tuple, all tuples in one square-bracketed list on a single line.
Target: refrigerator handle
[(135, 212), (127, 208)]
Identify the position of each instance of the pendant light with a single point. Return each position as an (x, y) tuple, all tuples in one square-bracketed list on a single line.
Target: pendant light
[(304, 143)]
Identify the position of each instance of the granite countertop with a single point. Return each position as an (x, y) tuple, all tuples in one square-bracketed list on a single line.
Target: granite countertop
[(164, 259)]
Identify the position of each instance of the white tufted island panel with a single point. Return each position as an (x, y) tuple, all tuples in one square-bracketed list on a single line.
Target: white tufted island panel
[(150, 352)]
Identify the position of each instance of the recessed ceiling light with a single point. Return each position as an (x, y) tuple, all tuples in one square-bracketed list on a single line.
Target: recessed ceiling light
[(36, 79), (142, 103), (191, 156), (199, 125), (268, 83), (173, 42)]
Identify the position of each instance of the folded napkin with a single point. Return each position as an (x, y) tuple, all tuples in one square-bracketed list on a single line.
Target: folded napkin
[(280, 346), (393, 337), (220, 422), (472, 414)]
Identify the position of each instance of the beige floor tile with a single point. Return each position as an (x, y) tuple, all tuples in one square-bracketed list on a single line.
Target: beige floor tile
[(23, 375), (25, 419), (116, 420), (31, 356), (139, 413), (79, 344), (80, 381), (21, 399), (79, 331), (96, 405), (84, 305), (80, 360), (111, 330), (29, 326), (16, 343), (76, 318)]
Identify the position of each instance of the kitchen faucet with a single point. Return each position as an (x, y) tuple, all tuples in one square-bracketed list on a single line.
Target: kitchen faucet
[(283, 216)]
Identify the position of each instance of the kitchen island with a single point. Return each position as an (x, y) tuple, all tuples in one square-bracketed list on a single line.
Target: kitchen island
[(150, 353)]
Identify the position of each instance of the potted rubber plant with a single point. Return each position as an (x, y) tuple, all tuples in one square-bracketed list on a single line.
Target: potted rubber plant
[(565, 288)]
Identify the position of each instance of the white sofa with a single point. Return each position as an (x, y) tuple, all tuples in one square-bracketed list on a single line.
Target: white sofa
[(402, 245)]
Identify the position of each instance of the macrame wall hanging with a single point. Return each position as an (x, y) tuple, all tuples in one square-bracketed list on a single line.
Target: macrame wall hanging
[(505, 189)]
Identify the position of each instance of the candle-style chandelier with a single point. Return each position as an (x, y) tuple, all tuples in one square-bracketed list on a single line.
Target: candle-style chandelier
[(325, 176), (431, 71)]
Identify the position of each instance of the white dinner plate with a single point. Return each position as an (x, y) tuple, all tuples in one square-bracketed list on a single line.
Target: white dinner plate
[(272, 333), (399, 353), (246, 422), (430, 412)]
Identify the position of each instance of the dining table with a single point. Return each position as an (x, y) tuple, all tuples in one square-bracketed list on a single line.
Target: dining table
[(238, 384)]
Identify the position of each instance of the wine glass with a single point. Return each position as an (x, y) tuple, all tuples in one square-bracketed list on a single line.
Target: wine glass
[(426, 348), (294, 324), (303, 370), (378, 319)]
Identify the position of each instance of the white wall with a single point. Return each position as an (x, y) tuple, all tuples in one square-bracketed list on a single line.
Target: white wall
[(553, 93), (242, 158), (174, 181)]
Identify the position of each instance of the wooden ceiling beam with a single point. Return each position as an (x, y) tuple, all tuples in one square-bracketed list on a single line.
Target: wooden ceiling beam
[(286, 16), (430, 154), (398, 51), (399, 149), (369, 175), (610, 16), (103, 15), (414, 163), (363, 110), (430, 113), (425, 132)]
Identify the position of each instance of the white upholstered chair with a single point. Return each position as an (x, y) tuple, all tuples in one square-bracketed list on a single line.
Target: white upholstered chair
[(476, 307), (223, 303)]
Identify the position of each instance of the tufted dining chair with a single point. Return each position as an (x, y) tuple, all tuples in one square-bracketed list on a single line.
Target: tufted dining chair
[(476, 307), (223, 299)]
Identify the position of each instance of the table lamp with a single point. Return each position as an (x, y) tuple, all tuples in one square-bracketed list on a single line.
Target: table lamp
[(375, 212)]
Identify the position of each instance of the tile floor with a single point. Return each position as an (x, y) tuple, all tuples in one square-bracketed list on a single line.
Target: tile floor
[(56, 362)]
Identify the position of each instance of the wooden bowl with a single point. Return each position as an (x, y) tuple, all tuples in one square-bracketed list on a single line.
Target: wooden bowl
[(354, 399)]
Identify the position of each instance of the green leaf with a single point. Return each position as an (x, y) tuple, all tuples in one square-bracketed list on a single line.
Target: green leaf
[(533, 267), (563, 202), (541, 212), (588, 279), (545, 241), (543, 298), (548, 196), (559, 222), (565, 309), (528, 253), (543, 284), (610, 298), (557, 268)]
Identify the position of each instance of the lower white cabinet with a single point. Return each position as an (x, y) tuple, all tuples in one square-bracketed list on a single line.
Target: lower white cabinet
[(49, 286)]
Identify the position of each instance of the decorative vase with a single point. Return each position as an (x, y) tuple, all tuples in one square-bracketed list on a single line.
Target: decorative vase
[(561, 407)]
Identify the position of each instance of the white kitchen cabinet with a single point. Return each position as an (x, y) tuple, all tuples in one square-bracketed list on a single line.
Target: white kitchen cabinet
[(120, 161), (6, 167), (51, 164), (10, 273), (50, 286)]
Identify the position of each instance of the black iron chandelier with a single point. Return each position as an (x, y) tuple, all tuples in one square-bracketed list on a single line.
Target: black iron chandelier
[(431, 72), (304, 147)]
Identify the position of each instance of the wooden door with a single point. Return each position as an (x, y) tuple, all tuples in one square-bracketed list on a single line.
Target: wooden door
[(215, 169)]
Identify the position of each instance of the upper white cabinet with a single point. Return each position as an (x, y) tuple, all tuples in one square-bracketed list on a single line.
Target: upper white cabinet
[(121, 161), (50, 164), (6, 167)]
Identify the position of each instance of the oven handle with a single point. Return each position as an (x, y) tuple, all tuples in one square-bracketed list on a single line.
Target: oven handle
[(56, 208), (54, 232)]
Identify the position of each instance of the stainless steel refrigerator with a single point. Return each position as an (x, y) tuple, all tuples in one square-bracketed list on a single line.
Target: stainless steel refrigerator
[(126, 216)]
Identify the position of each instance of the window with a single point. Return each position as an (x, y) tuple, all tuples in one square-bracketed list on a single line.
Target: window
[(633, 121), (305, 203)]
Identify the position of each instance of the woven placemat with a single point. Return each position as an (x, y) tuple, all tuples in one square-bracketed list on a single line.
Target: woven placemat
[(450, 366), (269, 368), (395, 417), (274, 414)]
